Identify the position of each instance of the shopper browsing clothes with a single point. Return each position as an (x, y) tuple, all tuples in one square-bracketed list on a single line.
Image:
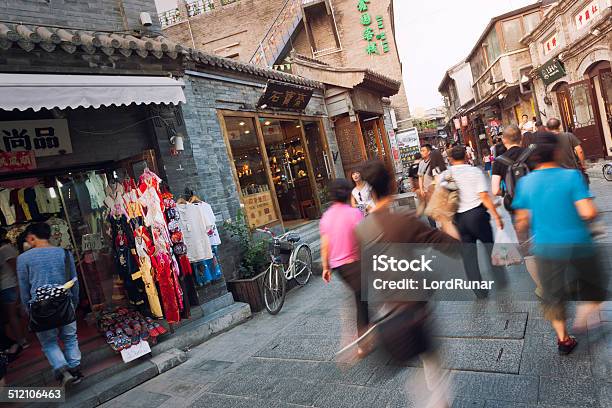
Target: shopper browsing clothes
[(361, 197), (556, 203), (473, 216), (41, 267), (339, 248)]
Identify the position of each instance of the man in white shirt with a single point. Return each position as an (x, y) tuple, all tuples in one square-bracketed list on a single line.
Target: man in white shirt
[(472, 219), (527, 125)]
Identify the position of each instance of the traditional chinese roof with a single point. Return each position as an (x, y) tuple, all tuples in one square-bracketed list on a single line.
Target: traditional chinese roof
[(51, 39), (346, 77)]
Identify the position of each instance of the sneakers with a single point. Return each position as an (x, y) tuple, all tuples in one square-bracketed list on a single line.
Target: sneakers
[(65, 378), (567, 346), (77, 374)]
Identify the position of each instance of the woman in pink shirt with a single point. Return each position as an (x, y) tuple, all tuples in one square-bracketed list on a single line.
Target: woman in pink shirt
[(340, 249)]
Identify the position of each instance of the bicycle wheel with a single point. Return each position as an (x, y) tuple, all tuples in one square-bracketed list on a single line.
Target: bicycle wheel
[(274, 289), (607, 171), (302, 265)]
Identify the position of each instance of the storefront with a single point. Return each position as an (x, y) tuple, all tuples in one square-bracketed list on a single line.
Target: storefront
[(573, 78), (97, 157), (281, 165)]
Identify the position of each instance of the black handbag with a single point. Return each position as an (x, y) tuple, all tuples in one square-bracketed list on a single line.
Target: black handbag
[(55, 311)]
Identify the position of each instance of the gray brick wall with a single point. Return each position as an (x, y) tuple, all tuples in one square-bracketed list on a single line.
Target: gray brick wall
[(103, 15)]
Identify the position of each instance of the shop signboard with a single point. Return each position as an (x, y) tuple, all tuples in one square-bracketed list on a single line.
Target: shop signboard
[(551, 71), (17, 161), (46, 137), (409, 145), (285, 96), (395, 150), (586, 15), (259, 209)]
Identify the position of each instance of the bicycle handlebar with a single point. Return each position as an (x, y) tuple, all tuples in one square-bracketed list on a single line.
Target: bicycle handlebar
[(271, 234)]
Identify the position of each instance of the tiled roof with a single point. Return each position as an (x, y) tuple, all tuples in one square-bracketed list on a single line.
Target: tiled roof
[(49, 39)]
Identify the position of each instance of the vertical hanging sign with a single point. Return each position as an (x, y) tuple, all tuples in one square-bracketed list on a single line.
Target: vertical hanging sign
[(369, 34)]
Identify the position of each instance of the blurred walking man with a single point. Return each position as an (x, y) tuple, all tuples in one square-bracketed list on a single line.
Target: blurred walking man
[(556, 204)]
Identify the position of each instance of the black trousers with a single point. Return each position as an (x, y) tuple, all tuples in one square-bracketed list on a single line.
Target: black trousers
[(351, 275), (474, 225)]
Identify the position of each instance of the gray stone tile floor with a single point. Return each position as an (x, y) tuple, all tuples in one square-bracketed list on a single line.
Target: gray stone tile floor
[(502, 354)]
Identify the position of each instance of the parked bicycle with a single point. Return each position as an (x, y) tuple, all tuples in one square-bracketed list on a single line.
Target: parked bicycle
[(290, 259)]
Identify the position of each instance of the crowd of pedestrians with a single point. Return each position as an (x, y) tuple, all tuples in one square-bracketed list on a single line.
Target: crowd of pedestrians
[(537, 180)]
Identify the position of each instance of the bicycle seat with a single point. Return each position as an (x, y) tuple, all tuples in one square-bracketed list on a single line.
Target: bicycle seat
[(293, 237)]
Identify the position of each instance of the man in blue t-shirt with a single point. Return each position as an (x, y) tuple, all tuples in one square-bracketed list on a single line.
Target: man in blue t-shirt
[(556, 204), (43, 265)]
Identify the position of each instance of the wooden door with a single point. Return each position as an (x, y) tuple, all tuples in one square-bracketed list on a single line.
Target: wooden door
[(350, 144), (134, 166), (586, 127), (565, 107), (605, 82)]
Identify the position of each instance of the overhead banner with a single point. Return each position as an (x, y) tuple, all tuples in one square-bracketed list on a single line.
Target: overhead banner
[(47, 137), (285, 96), (551, 71)]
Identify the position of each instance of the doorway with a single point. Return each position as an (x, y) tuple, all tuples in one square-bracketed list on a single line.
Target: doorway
[(565, 106), (600, 75), (291, 170)]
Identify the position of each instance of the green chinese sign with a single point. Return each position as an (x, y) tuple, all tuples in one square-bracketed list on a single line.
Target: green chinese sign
[(551, 71), (372, 37)]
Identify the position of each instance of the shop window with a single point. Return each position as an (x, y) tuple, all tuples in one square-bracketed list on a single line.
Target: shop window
[(289, 167), (581, 101), (512, 34), (321, 163), (251, 172)]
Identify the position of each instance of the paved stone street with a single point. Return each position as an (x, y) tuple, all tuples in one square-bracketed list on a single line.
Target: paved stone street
[(502, 353)]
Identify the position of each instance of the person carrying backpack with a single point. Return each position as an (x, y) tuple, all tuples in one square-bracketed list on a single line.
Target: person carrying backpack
[(509, 167)]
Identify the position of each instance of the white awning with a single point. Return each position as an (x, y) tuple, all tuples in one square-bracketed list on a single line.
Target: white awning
[(25, 91)]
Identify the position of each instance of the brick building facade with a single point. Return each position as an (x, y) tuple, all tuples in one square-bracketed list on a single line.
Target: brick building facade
[(265, 33)]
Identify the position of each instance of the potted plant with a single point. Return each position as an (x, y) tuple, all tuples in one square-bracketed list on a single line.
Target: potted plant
[(254, 261)]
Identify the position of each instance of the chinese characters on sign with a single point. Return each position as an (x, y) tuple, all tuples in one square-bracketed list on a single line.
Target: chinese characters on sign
[(587, 14), (259, 209), (551, 71), (369, 34), (285, 96), (48, 137), (17, 161), (550, 44)]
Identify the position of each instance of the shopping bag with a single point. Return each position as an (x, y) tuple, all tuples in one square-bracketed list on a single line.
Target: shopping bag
[(506, 247)]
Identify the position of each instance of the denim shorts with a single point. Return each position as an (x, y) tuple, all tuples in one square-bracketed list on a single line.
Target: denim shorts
[(8, 296)]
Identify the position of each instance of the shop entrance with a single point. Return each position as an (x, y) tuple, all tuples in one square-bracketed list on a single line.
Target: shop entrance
[(586, 127), (291, 170), (600, 75)]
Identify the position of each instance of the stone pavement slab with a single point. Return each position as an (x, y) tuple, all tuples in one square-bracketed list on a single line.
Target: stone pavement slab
[(307, 347), (498, 325), (490, 355)]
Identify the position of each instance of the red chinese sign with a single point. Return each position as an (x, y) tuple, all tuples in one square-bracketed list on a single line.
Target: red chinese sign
[(587, 14), (17, 161), (551, 44)]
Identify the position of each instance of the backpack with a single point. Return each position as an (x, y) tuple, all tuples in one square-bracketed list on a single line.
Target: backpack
[(515, 170)]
